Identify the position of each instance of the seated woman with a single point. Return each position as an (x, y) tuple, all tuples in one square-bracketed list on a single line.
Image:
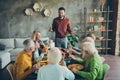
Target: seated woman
[(54, 71), (23, 63), (92, 36), (89, 39), (93, 67), (36, 37), (40, 46)]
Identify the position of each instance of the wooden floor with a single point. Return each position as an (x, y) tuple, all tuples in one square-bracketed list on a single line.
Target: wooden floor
[(113, 73), (114, 62)]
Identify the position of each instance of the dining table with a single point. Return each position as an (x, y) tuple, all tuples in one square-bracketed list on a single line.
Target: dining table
[(67, 59)]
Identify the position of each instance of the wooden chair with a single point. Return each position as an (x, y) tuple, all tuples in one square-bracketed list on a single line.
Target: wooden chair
[(10, 70), (106, 71)]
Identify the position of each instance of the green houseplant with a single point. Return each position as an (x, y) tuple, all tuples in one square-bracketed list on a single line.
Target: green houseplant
[(74, 38)]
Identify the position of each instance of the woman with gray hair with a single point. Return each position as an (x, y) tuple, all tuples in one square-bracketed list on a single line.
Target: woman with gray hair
[(93, 67), (54, 71), (23, 63), (89, 39)]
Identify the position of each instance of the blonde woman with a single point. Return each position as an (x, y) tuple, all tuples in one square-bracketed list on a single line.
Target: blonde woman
[(36, 37), (40, 46)]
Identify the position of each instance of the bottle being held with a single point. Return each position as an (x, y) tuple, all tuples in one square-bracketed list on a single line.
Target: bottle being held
[(51, 44), (41, 43)]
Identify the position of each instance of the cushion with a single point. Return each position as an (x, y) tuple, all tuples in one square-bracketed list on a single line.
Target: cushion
[(4, 59), (19, 42), (14, 53), (8, 49), (2, 46), (9, 43), (45, 40)]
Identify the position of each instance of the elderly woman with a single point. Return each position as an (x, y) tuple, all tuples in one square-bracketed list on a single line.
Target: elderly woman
[(92, 36), (54, 71), (23, 64), (89, 39), (93, 67)]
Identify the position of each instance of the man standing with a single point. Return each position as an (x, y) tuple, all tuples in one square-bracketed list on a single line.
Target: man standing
[(61, 25)]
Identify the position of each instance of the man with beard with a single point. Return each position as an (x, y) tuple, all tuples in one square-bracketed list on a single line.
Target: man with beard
[(61, 25)]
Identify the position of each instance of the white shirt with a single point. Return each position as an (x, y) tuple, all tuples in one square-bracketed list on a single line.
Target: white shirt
[(36, 54), (55, 72)]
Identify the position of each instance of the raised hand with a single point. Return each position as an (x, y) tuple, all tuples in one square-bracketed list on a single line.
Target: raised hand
[(74, 70), (50, 29)]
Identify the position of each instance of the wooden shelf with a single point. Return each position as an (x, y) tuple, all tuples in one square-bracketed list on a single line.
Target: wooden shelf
[(100, 21), (91, 12), (103, 48), (93, 23), (97, 31), (89, 31), (106, 30), (104, 40)]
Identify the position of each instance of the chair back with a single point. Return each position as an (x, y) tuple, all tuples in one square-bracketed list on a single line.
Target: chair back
[(105, 69), (10, 70)]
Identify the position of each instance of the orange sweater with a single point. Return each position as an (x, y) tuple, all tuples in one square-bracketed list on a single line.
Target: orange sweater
[(22, 65)]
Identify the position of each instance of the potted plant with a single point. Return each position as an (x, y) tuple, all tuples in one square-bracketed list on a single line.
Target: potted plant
[(72, 39)]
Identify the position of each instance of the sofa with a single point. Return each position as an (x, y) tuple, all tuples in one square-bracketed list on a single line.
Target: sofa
[(12, 47)]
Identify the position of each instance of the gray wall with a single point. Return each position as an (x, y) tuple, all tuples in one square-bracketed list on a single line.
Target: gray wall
[(14, 23)]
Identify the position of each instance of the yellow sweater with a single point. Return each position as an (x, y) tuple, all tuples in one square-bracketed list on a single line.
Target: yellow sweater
[(22, 65)]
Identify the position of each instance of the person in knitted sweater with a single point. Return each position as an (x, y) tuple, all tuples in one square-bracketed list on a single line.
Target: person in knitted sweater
[(23, 63), (94, 69)]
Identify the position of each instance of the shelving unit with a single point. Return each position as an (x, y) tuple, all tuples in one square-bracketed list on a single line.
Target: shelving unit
[(91, 12), (101, 21), (103, 40), (97, 22), (95, 31), (119, 42)]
